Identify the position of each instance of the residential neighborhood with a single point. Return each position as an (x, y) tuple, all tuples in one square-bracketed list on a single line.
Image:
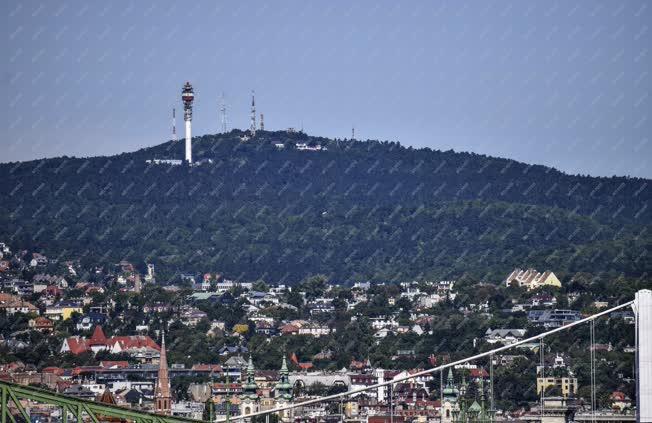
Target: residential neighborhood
[(118, 333)]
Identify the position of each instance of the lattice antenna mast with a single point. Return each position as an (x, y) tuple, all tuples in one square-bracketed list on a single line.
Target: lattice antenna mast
[(223, 114), (252, 126)]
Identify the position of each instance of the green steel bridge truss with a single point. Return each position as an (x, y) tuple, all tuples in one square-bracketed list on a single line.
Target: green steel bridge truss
[(80, 410)]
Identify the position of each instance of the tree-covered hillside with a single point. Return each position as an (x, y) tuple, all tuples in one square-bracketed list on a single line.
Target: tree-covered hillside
[(359, 210)]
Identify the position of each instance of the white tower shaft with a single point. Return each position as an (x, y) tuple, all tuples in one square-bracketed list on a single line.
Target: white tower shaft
[(643, 310), (188, 96), (188, 141)]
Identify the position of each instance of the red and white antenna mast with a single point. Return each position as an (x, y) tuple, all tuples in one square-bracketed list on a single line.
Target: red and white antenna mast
[(252, 126)]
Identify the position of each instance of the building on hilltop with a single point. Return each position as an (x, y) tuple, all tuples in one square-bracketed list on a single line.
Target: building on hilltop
[(532, 279)]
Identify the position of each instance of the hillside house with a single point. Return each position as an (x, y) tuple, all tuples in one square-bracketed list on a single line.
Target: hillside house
[(532, 279), (140, 347), (504, 336)]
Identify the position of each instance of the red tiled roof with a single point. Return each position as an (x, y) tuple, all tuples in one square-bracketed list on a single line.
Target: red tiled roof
[(77, 345), (479, 373), (289, 328), (358, 364), (114, 364), (138, 341), (207, 367), (618, 396), (98, 337), (43, 322)]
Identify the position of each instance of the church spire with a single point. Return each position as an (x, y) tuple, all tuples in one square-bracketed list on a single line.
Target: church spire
[(162, 389), (450, 392), (283, 389), (250, 387)]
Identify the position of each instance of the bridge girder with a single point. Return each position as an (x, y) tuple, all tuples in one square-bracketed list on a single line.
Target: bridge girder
[(13, 393)]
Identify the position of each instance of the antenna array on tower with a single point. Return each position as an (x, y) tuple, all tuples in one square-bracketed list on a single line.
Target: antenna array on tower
[(252, 126), (223, 114)]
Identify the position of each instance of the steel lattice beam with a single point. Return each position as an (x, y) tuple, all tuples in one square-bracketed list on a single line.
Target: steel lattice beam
[(14, 392)]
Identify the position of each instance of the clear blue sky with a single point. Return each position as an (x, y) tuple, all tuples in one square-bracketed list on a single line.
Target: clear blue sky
[(562, 83)]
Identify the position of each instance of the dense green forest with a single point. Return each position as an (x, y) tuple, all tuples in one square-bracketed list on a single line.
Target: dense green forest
[(358, 211)]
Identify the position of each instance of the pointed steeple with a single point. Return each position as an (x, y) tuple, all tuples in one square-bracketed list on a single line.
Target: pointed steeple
[(250, 387), (450, 392), (98, 337), (162, 390), (283, 389)]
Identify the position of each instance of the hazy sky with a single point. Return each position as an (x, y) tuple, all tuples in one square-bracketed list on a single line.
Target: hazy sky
[(561, 83)]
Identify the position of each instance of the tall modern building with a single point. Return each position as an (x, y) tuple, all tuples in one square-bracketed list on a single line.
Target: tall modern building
[(162, 394)]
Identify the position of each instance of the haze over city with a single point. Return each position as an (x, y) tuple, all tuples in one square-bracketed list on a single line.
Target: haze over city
[(561, 84), (326, 212)]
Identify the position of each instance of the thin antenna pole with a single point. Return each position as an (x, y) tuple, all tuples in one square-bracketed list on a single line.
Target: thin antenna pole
[(491, 381), (441, 395), (174, 124), (391, 403), (542, 375), (223, 113)]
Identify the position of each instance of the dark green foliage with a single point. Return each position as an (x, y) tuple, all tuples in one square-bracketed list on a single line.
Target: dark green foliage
[(361, 210)]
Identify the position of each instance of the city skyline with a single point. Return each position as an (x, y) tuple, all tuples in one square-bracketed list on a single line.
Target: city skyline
[(565, 86)]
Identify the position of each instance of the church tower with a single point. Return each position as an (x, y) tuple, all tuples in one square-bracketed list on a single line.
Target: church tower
[(162, 390), (283, 392), (250, 400), (450, 395)]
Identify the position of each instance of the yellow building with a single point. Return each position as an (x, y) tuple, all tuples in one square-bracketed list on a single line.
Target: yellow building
[(567, 385), (63, 310)]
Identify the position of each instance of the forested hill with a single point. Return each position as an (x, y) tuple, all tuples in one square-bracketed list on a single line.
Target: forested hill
[(357, 211)]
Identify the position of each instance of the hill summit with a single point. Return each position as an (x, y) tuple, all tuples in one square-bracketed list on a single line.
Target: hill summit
[(282, 206)]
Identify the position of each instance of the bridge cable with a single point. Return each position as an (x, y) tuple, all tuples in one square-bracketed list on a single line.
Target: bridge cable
[(434, 369)]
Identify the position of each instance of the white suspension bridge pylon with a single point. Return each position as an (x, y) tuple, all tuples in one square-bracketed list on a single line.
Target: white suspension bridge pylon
[(642, 306)]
